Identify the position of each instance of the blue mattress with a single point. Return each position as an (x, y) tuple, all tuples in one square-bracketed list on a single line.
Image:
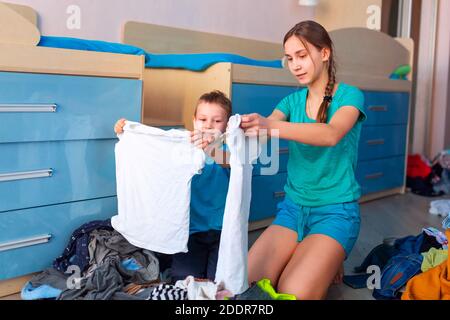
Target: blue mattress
[(195, 62)]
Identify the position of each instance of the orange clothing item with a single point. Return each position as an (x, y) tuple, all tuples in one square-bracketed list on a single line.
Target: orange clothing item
[(433, 284)]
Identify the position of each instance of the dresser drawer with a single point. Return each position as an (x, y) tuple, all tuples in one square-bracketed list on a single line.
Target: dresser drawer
[(43, 107), (271, 161), (386, 107), (381, 142), (379, 175), (254, 98), (43, 173), (31, 239), (267, 191)]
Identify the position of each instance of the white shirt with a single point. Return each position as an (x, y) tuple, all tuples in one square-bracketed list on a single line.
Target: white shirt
[(154, 168)]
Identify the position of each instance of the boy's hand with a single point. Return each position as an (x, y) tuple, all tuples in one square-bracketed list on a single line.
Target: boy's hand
[(200, 139), (118, 127)]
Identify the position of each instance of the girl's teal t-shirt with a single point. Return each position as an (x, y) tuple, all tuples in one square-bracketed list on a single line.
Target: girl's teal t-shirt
[(319, 176)]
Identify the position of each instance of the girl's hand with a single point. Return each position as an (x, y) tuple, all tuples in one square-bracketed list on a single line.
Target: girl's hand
[(200, 139), (118, 127), (252, 124)]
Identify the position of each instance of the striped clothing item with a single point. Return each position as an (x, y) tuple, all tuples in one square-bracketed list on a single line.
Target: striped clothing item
[(168, 292)]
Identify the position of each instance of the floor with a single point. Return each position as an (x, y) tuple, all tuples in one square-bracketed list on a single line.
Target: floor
[(394, 216)]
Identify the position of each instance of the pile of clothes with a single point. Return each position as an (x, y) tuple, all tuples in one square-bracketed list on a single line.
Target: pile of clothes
[(429, 178), (407, 266), (100, 264)]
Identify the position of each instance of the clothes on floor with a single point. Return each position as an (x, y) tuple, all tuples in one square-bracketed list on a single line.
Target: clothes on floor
[(422, 187), (396, 274), (443, 158), (379, 256), (438, 235), (263, 290), (418, 166), (47, 284), (232, 261), (154, 169), (433, 184), (134, 288), (51, 277), (76, 252), (393, 254), (339, 221), (266, 286), (112, 263), (201, 259), (168, 292), (199, 290), (440, 207), (442, 186), (102, 284), (43, 291), (105, 243), (433, 284), (433, 258), (446, 222)]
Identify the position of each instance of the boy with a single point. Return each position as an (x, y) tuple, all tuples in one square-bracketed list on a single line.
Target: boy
[(208, 190)]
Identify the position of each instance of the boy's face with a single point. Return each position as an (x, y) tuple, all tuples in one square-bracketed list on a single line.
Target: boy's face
[(210, 117)]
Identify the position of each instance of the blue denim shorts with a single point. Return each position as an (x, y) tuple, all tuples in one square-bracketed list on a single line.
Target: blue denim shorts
[(339, 221)]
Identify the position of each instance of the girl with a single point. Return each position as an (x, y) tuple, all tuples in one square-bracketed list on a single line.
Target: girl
[(318, 222)]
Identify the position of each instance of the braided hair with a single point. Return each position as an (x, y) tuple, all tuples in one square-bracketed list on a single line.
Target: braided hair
[(316, 34)]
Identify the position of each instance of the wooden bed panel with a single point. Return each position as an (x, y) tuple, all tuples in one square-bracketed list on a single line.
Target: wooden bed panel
[(72, 62), (171, 95), (25, 11), (367, 53), (161, 39), (15, 28)]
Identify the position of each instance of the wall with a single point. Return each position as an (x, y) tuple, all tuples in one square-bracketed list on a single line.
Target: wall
[(438, 124), (447, 134), (337, 14), (266, 20)]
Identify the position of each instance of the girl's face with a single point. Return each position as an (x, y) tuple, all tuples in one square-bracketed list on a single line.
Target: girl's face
[(305, 65), (210, 116)]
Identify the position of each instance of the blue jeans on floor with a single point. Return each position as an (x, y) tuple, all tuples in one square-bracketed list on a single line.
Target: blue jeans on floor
[(201, 259)]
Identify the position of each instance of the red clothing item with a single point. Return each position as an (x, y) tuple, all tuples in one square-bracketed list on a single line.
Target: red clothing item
[(417, 166)]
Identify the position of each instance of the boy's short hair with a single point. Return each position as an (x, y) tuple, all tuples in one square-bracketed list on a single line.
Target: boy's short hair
[(217, 97)]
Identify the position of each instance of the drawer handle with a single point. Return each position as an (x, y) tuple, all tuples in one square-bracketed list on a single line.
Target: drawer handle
[(374, 175), (26, 175), (375, 142), (378, 108), (279, 194), (25, 242), (28, 107), (283, 150)]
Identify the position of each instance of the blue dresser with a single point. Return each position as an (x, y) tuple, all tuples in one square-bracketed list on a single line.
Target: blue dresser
[(381, 157), (57, 168)]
